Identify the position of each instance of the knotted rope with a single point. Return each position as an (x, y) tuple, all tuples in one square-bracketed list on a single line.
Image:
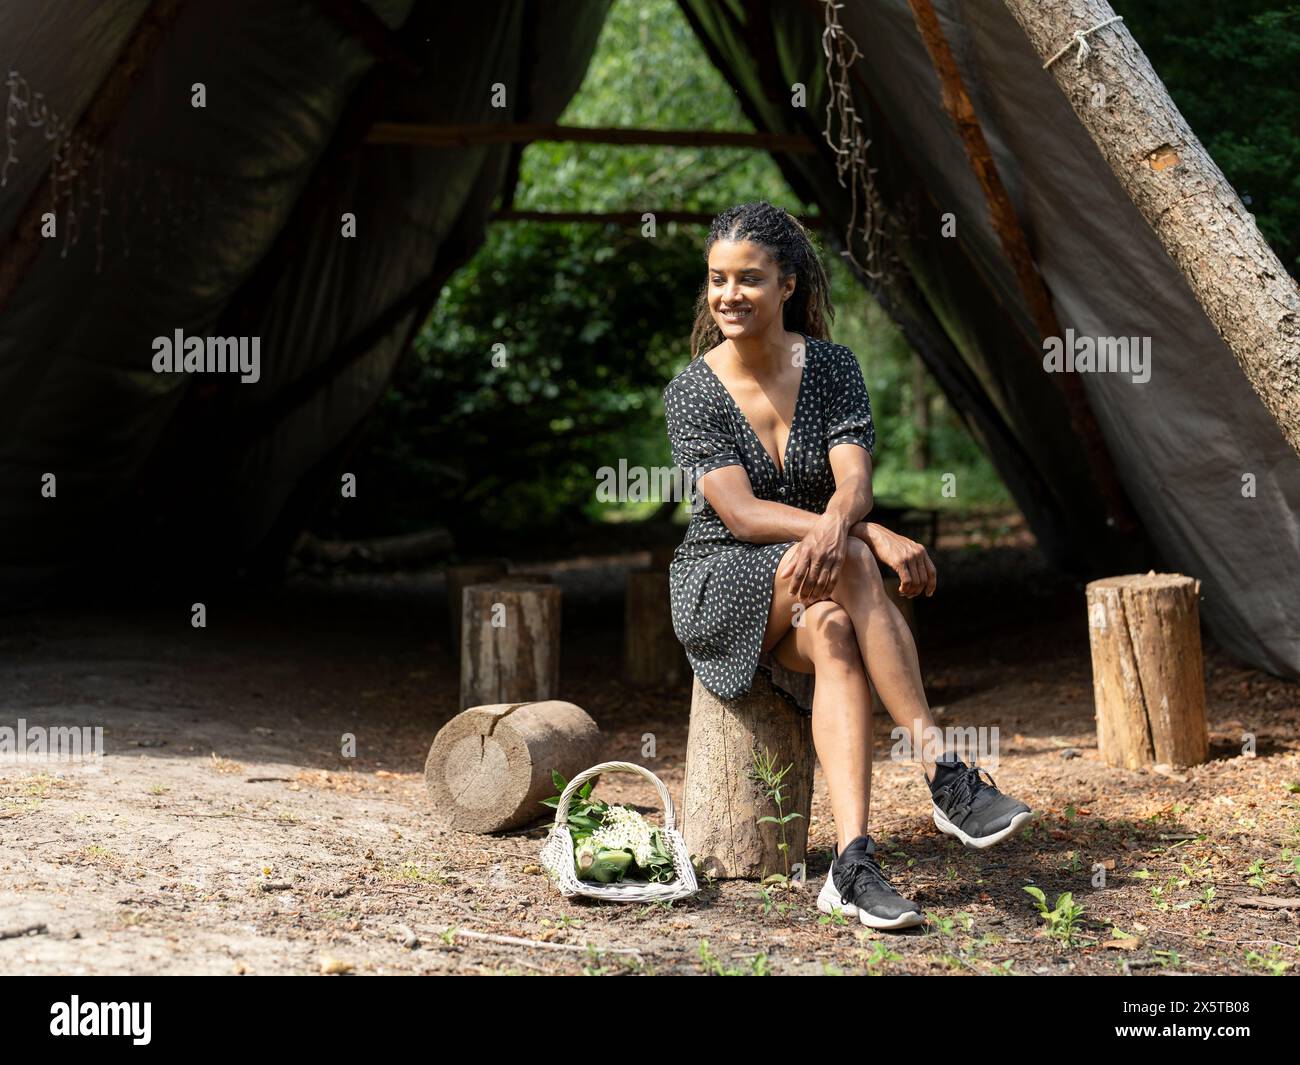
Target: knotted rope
[(1080, 41)]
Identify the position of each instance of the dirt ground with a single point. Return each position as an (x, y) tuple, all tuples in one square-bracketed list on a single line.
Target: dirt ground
[(224, 832)]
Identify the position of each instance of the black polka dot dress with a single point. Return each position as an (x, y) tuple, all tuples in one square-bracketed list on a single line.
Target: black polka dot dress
[(721, 587)]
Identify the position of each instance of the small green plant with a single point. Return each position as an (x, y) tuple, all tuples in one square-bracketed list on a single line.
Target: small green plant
[(1063, 920), (880, 955), (1270, 963), (713, 966), (1260, 874), (770, 779), (835, 917), (594, 966)]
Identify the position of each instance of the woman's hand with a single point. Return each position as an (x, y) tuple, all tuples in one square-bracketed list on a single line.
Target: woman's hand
[(907, 558), (814, 566)]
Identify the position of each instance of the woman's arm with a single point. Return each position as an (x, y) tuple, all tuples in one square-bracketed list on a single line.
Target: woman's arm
[(763, 521), (907, 558), (823, 538)]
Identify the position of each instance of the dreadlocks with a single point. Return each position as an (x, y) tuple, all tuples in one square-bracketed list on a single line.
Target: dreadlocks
[(791, 246)]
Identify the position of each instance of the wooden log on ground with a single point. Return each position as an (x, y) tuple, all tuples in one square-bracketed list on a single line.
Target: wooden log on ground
[(652, 654), (1147, 673), (489, 768), (510, 643), (721, 804)]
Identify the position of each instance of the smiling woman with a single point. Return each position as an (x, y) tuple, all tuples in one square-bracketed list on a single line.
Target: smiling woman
[(772, 422)]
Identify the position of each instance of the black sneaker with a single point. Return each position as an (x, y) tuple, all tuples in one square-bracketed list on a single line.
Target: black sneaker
[(856, 885), (974, 811)]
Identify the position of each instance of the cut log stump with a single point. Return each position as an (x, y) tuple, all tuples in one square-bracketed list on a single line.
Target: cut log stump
[(490, 766), (721, 804), (1148, 677), (461, 577), (652, 654), (510, 643)]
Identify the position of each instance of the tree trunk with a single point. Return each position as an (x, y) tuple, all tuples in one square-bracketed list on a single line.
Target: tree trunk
[(490, 767), (652, 654), (1236, 277), (1147, 674), (721, 805), (510, 644)]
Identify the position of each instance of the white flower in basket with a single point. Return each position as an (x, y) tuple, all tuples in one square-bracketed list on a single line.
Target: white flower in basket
[(557, 852)]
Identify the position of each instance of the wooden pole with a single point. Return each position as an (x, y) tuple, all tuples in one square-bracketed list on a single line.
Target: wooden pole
[(421, 135), (1236, 277)]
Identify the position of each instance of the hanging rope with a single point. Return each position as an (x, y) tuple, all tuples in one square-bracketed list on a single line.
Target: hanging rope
[(1080, 41), (849, 143)]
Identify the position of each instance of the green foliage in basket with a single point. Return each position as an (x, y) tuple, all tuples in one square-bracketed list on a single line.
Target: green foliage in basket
[(612, 843)]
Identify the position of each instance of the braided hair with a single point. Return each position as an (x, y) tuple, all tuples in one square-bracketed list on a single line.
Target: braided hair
[(792, 247)]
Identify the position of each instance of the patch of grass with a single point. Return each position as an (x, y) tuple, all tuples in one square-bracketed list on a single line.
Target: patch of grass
[(713, 965), (1271, 963), (880, 956)]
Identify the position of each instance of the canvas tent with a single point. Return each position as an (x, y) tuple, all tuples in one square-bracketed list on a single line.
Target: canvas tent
[(231, 216)]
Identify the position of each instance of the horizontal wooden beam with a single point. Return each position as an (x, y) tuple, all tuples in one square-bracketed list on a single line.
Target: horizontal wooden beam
[(623, 218), (424, 136)]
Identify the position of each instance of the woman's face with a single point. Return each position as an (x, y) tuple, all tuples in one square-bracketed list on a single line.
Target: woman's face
[(746, 293)]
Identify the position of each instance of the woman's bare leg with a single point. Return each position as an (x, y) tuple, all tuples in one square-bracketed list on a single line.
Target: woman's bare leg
[(824, 643), (887, 647)]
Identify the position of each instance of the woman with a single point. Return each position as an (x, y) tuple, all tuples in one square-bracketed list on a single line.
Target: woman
[(772, 423)]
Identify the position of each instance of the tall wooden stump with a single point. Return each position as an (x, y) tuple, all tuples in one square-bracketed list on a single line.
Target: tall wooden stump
[(490, 767), (461, 577), (1147, 674), (652, 654), (721, 805), (510, 643)]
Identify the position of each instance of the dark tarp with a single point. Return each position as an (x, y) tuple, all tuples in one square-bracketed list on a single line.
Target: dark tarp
[(1182, 441), (226, 221)]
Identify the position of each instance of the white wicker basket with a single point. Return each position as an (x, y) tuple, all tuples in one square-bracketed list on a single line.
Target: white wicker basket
[(557, 852)]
